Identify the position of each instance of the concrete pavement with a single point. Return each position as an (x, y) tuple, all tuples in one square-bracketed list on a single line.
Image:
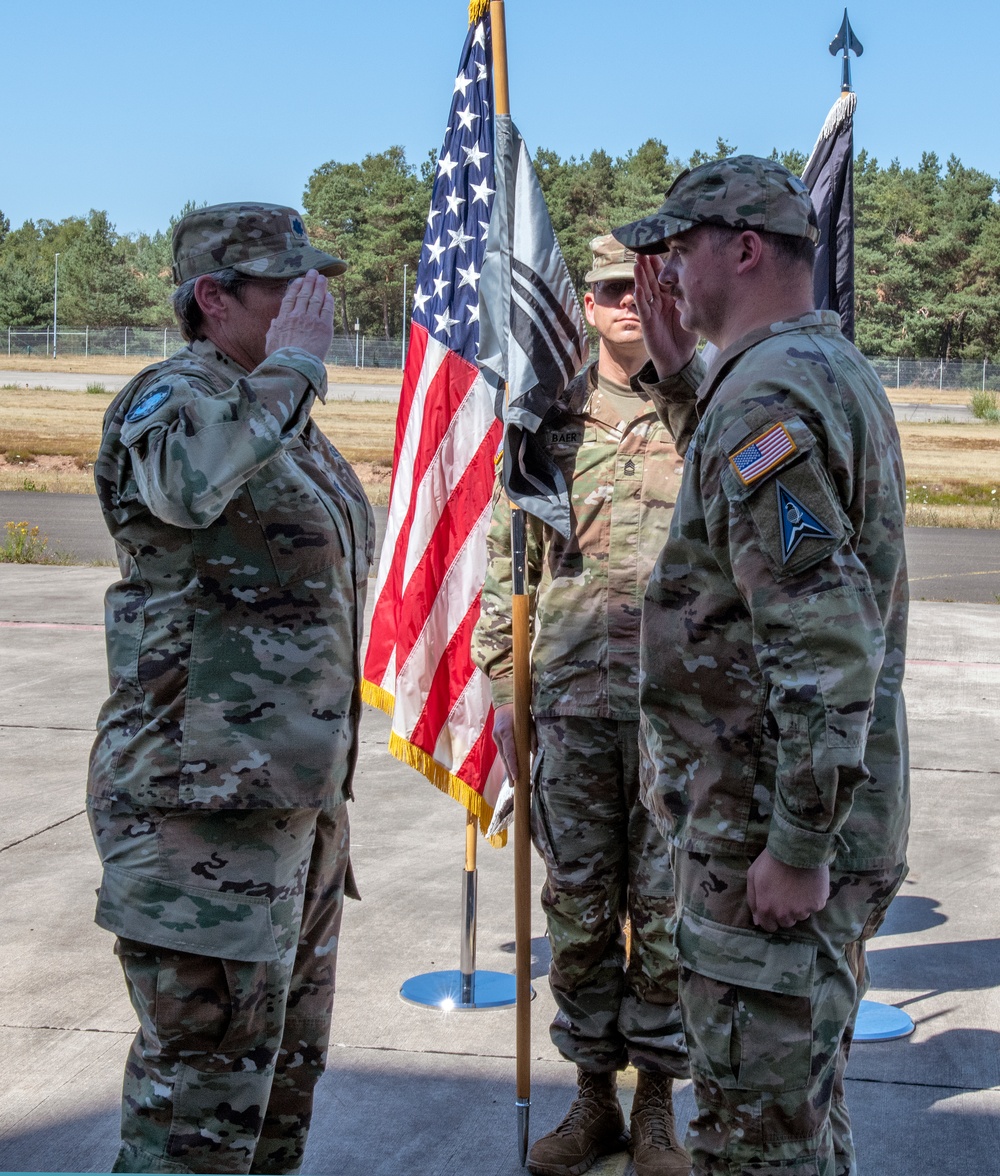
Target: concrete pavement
[(415, 1092)]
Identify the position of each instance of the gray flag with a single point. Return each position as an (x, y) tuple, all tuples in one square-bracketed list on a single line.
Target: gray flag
[(532, 338), (829, 176)]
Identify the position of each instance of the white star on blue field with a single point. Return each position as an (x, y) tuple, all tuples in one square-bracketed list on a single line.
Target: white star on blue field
[(446, 300)]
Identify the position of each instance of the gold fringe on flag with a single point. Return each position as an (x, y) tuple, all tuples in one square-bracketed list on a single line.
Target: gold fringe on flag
[(377, 697), (477, 10), (440, 777)]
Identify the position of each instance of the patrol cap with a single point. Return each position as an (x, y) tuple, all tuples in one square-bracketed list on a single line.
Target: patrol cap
[(741, 192), (258, 240), (612, 261)]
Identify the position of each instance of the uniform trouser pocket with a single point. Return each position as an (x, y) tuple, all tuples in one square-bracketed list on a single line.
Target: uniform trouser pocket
[(201, 1006), (748, 1004)]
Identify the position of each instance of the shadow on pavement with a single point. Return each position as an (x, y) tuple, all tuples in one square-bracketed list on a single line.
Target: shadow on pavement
[(541, 955), (937, 967), (382, 1119), (910, 913)]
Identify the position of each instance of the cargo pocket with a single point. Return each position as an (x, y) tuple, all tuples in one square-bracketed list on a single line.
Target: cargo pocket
[(541, 833), (197, 1004), (747, 1000), (185, 918)]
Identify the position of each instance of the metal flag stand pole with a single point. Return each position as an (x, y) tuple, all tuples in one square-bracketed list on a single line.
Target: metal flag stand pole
[(464, 990), (876, 1021)]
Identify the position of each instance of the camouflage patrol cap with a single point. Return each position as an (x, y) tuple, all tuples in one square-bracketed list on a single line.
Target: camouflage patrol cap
[(258, 240), (612, 262), (741, 192)]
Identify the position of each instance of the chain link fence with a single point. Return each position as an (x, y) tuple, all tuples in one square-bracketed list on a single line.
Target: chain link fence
[(363, 351), (897, 373), (368, 351)]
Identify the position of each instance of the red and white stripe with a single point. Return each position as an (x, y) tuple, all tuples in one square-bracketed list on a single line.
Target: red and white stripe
[(418, 665)]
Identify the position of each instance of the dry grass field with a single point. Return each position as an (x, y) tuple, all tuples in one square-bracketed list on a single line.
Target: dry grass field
[(116, 365), (48, 440)]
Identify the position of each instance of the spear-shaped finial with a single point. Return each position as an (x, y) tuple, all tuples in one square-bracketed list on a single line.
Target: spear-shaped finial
[(846, 40)]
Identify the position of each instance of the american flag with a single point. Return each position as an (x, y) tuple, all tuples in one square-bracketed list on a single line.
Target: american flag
[(762, 454), (418, 666)]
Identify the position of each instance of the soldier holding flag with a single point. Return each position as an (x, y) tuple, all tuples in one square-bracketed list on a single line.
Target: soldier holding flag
[(603, 855)]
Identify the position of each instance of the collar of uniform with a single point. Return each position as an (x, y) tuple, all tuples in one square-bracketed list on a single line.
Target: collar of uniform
[(598, 409), (812, 321), (220, 363)]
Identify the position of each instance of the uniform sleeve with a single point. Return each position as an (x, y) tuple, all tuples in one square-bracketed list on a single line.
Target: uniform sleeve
[(674, 398), (492, 638), (818, 636), (192, 447)]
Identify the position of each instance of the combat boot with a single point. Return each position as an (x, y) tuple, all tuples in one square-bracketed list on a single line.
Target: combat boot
[(594, 1126), (654, 1147)]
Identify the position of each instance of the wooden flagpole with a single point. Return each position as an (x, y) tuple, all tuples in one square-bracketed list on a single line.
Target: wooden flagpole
[(522, 717)]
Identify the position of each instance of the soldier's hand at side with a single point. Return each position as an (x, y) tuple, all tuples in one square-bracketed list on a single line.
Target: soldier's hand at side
[(670, 347), (781, 896), (503, 737), (306, 317)]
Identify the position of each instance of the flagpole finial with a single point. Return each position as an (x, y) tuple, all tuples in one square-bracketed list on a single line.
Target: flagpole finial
[(477, 10), (845, 41)]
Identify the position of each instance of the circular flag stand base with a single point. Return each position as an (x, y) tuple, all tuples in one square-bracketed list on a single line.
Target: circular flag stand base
[(444, 990), (881, 1022)]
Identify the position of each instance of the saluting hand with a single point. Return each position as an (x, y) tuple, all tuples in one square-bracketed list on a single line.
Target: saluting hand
[(670, 347), (306, 317)]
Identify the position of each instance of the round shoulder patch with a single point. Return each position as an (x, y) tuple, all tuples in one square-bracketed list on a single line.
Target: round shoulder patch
[(149, 403)]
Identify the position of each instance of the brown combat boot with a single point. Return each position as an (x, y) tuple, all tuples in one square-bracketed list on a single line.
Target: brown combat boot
[(654, 1147), (594, 1126)]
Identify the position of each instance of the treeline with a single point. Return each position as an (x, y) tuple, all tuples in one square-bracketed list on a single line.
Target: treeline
[(106, 279), (927, 260)]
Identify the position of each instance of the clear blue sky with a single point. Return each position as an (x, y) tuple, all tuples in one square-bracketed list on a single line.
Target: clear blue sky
[(138, 106)]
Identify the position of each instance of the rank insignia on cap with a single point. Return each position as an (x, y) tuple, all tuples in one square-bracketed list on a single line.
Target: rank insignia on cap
[(762, 454), (797, 523)]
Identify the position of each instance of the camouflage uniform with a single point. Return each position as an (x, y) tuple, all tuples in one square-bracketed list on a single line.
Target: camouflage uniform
[(782, 596), (225, 752), (603, 857)]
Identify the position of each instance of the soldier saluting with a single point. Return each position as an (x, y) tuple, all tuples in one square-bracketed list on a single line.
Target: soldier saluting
[(225, 752), (773, 637)]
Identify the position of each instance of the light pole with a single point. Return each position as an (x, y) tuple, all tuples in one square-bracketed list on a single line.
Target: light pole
[(402, 362), (55, 308), (357, 341)]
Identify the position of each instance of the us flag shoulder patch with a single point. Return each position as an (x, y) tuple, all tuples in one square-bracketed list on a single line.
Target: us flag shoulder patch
[(762, 454)]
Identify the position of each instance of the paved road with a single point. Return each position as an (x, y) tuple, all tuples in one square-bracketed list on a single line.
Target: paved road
[(946, 563), (78, 381), (923, 413)]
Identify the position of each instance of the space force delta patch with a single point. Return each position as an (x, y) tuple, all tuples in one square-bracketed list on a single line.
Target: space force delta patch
[(762, 454), (797, 523)]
